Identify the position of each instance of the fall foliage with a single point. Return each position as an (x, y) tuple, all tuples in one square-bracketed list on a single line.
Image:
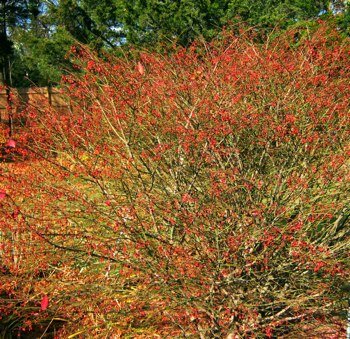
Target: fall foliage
[(202, 193)]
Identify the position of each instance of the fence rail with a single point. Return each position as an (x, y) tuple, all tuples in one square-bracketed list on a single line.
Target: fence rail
[(31, 96)]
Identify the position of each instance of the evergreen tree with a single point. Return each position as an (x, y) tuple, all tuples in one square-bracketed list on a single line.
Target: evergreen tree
[(13, 13), (88, 21), (40, 59), (151, 21)]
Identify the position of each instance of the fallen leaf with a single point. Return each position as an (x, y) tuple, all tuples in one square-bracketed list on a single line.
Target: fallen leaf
[(140, 68), (44, 302), (11, 143)]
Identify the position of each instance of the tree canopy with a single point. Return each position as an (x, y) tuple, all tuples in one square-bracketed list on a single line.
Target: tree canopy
[(154, 20), (13, 13)]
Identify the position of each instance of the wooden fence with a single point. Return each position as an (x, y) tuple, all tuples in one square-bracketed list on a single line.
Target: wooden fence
[(31, 96)]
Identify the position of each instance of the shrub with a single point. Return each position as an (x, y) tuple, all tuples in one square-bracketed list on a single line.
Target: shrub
[(215, 180)]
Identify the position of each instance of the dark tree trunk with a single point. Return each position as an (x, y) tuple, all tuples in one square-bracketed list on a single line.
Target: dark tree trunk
[(5, 63)]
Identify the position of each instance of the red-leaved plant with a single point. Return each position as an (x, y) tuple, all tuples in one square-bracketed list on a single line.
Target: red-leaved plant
[(212, 182)]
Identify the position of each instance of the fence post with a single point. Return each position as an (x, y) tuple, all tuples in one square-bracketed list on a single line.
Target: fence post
[(9, 111), (49, 93), (1, 108)]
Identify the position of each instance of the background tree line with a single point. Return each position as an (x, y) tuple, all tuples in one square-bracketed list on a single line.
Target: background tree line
[(35, 35)]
